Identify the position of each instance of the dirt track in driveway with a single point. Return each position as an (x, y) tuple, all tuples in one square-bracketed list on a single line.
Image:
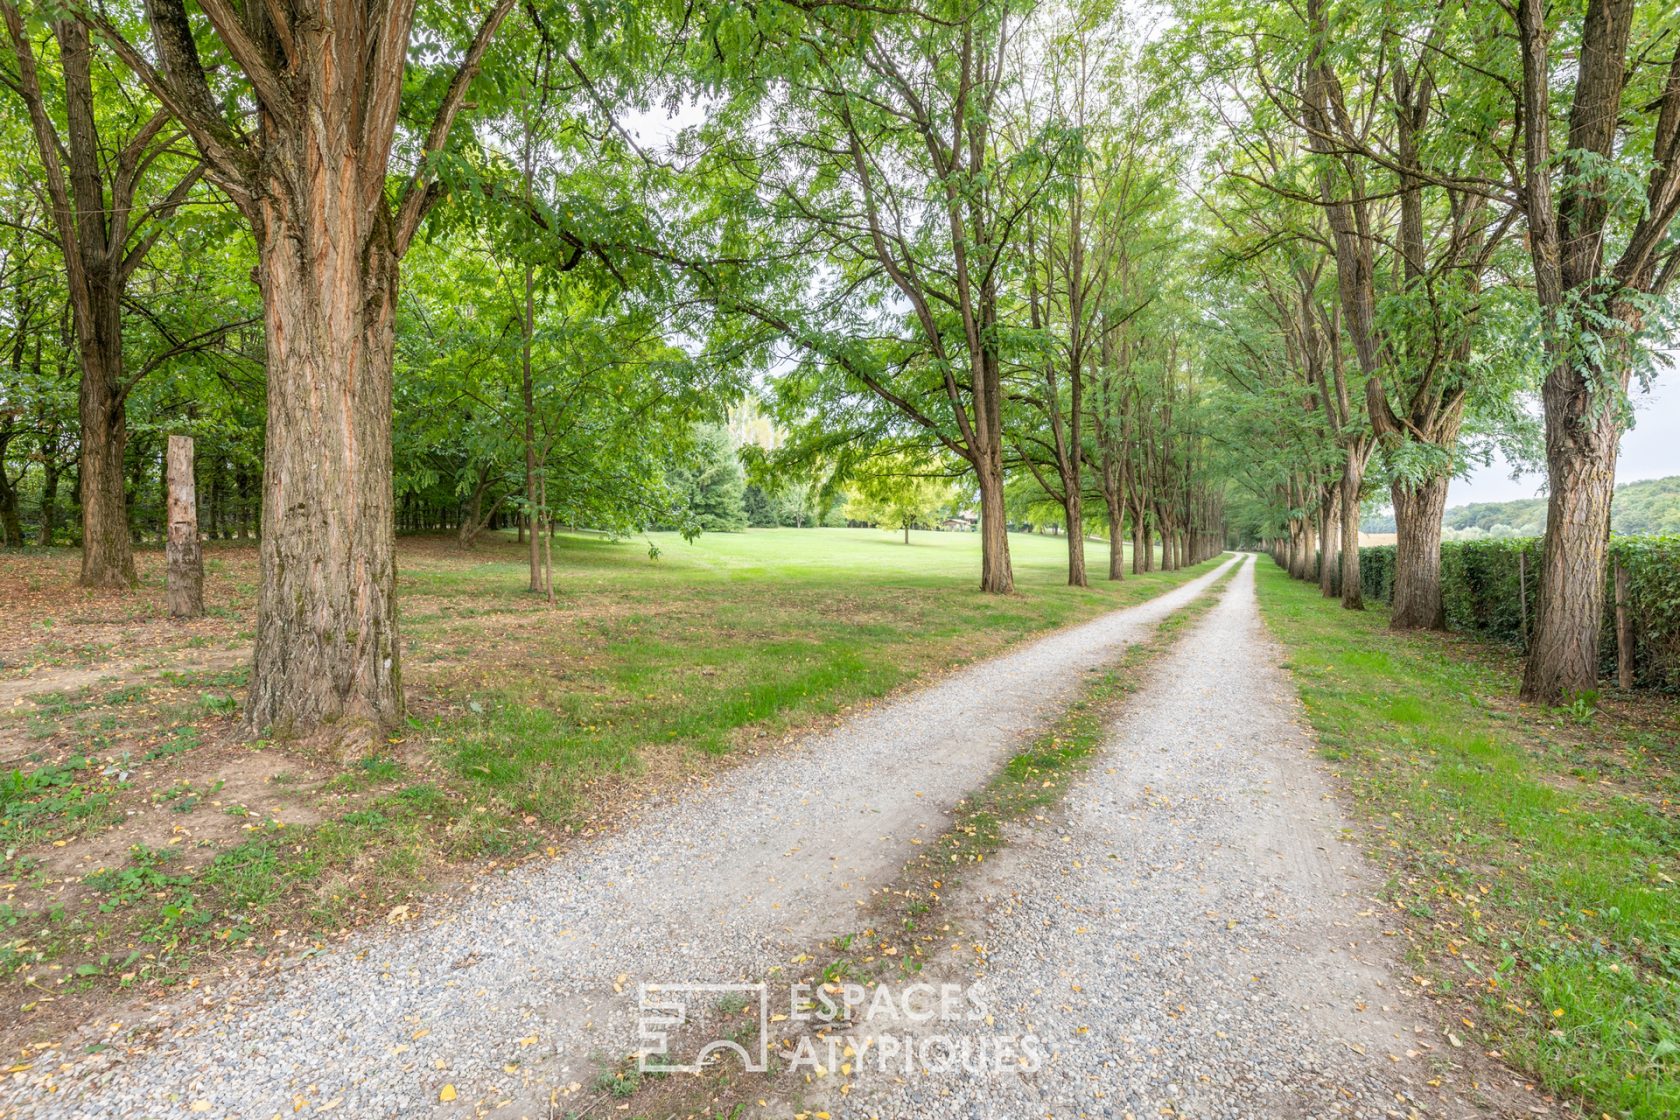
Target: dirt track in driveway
[(523, 988), (1195, 934)]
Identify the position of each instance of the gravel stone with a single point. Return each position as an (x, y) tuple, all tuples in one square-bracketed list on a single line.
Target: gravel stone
[(714, 885), (1196, 935)]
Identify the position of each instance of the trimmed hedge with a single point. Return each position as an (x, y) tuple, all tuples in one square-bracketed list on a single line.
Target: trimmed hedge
[(1481, 588)]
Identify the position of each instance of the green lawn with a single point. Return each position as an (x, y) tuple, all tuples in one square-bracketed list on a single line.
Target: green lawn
[(530, 724), (1533, 854), (728, 639)]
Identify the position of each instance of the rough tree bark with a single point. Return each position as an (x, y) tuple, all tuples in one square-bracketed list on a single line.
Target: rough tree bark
[(49, 502), (1418, 509), (996, 574), (185, 571), (327, 81), (1353, 479), (326, 635), (1140, 542), (1583, 297), (93, 217), (11, 525), (1329, 567), (1116, 537)]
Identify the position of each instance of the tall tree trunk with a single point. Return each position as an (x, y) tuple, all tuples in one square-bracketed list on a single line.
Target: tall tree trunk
[(1116, 537), (1353, 477), (11, 525), (107, 552), (49, 501), (996, 575), (327, 648), (1076, 535), (528, 326), (1140, 542), (1418, 509), (242, 479), (1569, 230), (92, 228), (314, 181), (1581, 473), (1330, 532)]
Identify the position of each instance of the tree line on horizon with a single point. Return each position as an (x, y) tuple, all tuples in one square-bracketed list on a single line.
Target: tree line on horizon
[(1646, 507)]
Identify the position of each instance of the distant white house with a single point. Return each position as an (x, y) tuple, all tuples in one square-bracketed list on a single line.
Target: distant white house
[(961, 523)]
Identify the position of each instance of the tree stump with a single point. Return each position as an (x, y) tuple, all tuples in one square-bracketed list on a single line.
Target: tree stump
[(186, 559)]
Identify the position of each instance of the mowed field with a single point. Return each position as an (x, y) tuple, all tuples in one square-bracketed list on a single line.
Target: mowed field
[(147, 840)]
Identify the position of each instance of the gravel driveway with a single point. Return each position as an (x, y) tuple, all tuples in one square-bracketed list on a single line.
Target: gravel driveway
[(532, 978), (1195, 936)]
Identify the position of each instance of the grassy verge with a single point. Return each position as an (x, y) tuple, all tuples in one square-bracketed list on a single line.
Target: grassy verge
[(145, 839), (908, 923), (1533, 854)]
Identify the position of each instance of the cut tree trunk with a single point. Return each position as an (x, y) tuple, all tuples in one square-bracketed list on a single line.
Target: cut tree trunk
[(185, 558), (1418, 509)]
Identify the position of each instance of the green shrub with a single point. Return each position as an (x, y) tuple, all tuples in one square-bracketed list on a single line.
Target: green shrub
[(1490, 588)]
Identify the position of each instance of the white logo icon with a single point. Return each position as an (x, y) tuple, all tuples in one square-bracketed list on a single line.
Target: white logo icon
[(665, 1008)]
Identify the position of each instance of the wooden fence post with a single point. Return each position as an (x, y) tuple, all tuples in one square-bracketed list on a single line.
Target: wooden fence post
[(1522, 594), (186, 559), (1624, 631)]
